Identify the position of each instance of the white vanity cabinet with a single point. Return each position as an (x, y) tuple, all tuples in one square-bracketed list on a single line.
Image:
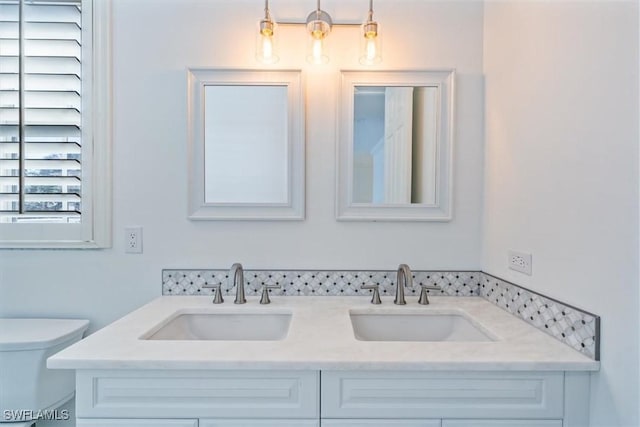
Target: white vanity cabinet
[(259, 423), (131, 422), (441, 423), (107, 422), (441, 395), (455, 399), (208, 398), (349, 398), (502, 423), (381, 423)]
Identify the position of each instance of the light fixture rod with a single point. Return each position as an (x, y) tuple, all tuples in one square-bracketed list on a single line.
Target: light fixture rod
[(267, 13), (333, 24), (348, 23)]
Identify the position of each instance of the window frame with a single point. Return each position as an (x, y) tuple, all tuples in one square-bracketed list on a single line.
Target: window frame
[(94, 231)]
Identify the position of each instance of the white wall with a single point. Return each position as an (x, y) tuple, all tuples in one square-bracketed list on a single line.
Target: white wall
[(154, 42), (562, 161), (561, 168)]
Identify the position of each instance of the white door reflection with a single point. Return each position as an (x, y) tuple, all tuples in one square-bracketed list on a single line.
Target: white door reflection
[(246, 144), (395, 145)]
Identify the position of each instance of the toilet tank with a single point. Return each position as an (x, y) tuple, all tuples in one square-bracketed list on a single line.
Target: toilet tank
[(25, 345)]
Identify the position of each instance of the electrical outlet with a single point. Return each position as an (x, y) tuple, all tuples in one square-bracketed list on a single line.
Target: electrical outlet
[(520, 261), (133, 240)]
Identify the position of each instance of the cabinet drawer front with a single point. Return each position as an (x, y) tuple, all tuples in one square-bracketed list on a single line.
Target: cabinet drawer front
[(378, 423), (421, 394), (197, 394), (502, 423), (135, 423), (259, 423)]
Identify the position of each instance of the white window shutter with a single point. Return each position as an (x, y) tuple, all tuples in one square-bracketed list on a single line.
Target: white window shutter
[(45, 89)]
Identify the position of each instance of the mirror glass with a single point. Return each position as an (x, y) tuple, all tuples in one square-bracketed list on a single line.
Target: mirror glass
[(394, 144), (245, 144)]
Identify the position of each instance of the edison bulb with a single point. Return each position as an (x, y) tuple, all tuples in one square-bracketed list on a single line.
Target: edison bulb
[(267, 48), (316, 53), (371, 49), (317, 50)]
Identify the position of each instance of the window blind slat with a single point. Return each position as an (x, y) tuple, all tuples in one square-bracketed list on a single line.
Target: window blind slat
[(42, 100), (41, 31), (54, 197), (43, 216), (38, 180), (44, 116), (41, 65), (45, 164), (43, 151), (61, 130)]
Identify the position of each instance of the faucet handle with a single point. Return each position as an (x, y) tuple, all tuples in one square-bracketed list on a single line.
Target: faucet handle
[(264, 299), (375, 298), (217, 299), (424, 299)]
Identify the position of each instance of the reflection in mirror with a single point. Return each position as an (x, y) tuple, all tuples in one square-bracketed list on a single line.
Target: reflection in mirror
[(245, 144), (394, 144)]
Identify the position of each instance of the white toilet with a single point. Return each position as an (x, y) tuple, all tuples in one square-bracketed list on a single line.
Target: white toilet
[(25, 382)]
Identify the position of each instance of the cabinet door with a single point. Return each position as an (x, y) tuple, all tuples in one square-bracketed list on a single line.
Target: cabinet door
[(501, 423), (429, 395), (201, 394), (380, 423), (117, 422), (259, 423)]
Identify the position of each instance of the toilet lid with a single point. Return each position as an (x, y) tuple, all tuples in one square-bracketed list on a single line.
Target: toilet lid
[(30, 334)]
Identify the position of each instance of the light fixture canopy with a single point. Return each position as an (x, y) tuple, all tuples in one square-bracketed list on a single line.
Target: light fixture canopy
[(319, 23)]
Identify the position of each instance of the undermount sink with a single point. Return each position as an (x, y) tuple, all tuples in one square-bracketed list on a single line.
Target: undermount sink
[(224, 327), (394, 326)]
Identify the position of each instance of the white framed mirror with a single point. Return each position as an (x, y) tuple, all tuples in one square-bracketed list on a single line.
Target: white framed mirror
[(246, 144), (395, 146)]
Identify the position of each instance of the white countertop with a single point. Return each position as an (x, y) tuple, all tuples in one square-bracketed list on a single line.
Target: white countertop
[(321, 337)]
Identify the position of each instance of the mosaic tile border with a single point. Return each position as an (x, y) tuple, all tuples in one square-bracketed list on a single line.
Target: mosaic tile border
[(575, 327), (318, 282)]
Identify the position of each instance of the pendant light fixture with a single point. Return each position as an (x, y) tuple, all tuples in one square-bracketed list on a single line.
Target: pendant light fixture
[(319, 24), (266, 47), (370, 43)]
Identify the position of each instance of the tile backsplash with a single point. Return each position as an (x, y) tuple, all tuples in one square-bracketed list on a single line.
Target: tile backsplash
[(574, 327), (318, 282)]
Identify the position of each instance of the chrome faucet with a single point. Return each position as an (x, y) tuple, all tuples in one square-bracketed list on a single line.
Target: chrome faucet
[(236, 278), (404, 278)]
